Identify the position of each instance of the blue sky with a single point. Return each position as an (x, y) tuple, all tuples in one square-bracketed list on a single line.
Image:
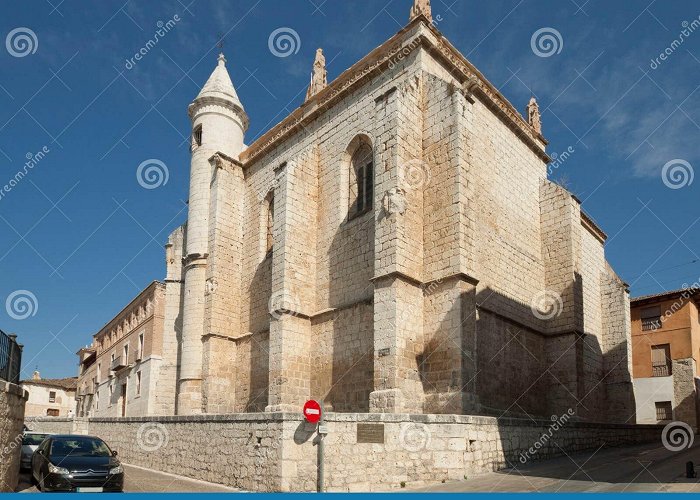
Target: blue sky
[(84, 237)]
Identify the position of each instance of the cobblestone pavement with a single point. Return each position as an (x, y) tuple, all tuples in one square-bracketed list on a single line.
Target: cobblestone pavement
[(140, 480), (648, 468)]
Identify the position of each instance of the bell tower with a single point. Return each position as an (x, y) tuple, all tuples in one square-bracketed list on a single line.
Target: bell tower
[(219, 123)]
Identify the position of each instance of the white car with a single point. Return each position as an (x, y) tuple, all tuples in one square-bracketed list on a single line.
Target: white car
[(30, 442)]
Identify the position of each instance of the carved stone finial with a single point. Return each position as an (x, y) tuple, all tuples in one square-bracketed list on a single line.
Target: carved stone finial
[(319, 75), (421, 7), (534, 118)]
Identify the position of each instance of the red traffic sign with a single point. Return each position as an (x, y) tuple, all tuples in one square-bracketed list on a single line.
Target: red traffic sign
[(312, 411)]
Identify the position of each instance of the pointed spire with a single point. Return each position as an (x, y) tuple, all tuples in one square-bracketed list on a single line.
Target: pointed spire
[(421, 7), (220, 85), (534, 118), (319, 75)]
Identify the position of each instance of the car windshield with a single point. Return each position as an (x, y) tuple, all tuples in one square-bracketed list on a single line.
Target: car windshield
[(33, 439), (79, 447)]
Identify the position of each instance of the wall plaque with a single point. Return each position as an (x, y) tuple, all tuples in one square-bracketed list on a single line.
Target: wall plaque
[(370, 433)]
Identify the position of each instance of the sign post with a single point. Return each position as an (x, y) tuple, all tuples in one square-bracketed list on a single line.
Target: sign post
[(313, 413)]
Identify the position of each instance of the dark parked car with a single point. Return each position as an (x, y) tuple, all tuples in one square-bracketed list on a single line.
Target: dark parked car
[(76, 463), (30, 442)]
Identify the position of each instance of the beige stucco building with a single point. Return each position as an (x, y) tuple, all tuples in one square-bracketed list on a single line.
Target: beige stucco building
[(127, 370), (393, 245), (50, 397)]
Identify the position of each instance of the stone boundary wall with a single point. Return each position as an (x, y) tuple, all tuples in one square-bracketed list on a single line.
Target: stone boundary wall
[(277, 451), (12, 401), (51, 425)]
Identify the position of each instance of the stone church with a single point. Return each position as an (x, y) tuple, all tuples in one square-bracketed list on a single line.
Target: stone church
[(394, 246)]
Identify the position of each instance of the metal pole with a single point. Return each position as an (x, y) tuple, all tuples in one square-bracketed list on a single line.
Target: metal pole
[(321, 474)]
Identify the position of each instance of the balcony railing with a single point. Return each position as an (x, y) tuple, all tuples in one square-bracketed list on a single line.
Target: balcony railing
[(10, 358), (118, 364), (661, 370)]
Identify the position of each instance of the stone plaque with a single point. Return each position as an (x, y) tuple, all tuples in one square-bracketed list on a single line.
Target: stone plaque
[(370, 433)]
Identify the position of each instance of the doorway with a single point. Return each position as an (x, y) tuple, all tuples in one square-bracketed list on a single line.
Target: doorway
[(124, 399)]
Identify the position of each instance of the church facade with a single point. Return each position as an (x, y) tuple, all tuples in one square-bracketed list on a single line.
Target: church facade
[(392, 246)]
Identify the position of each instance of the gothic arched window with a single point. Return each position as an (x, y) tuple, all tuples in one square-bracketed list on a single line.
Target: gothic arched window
[(361, 181)]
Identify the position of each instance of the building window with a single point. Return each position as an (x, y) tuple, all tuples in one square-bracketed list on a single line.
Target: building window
[(651, 318), (99, 372), (52, 412), (661, 360), (270, 226), (140, 354), (97, 400), (138, 383), (361, 181), (664, 411), (126, 354), (197, 137), (52, 396)]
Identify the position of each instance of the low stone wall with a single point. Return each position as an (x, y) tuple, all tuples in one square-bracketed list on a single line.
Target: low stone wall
[(241, 450), (12, 401), (51, 425), (277, 451)]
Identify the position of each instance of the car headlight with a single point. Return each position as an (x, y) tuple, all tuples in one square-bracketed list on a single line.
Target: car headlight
[(58, 470), (116, 470)]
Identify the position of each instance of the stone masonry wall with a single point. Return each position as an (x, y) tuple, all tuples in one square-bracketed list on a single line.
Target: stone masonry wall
[(684, 394), (276, 451), (12, 401), (50, 425)]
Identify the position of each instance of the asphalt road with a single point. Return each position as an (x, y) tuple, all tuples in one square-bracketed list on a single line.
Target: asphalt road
[(646, 468), (140, 480)]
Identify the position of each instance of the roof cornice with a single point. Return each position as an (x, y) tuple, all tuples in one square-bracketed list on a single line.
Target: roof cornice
[(418, 33)]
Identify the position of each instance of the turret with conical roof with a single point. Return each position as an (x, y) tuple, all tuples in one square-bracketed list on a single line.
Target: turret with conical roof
[(219, 123), (218, 97)]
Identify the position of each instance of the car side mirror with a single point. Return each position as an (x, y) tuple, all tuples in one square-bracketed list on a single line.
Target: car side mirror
[(114, 453)]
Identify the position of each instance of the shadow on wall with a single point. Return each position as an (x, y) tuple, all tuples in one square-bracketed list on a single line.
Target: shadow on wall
[(344, 373), (523, 371), (260, 291)]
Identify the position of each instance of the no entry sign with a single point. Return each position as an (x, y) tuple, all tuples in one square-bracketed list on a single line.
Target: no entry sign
[(312, 411)]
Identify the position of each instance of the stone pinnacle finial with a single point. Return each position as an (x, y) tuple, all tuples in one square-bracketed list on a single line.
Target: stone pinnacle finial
[(421, 7), (534, 118), (221, 60), (319, 75)]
